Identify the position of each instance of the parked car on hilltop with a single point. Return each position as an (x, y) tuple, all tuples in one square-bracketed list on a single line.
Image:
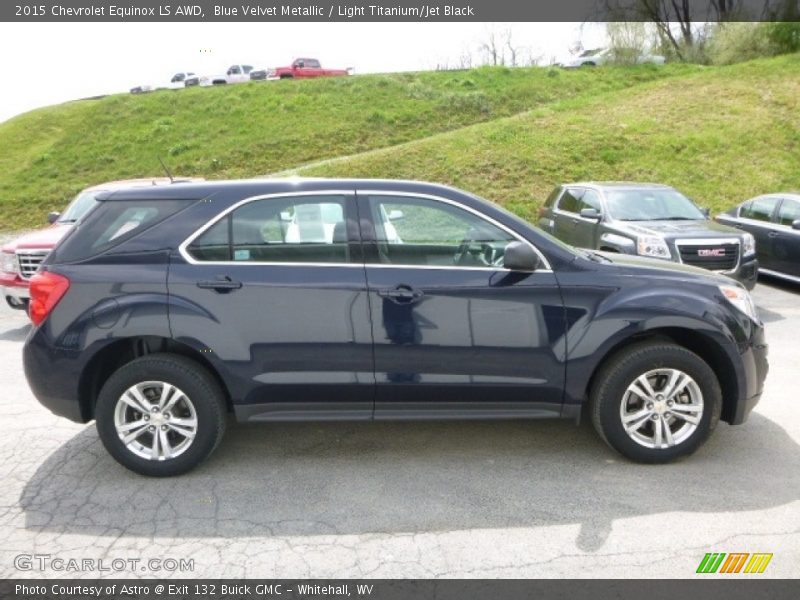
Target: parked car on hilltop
[(649, 220), (286, 300), (22, 256), (178, 79), (305, 68), (601, 56), (234, 74), (774, 221)]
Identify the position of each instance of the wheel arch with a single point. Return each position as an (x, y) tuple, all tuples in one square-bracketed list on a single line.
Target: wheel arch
[(696, 341), (122, 351)]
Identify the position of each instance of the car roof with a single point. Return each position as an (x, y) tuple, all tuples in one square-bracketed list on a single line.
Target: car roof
[(110, 186), (619, 185), (264, 186)]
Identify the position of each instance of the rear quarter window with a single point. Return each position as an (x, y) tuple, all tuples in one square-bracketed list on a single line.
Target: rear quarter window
[(112, 223)]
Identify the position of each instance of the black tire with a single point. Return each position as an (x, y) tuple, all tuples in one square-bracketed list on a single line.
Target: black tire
[(619, 371), (197, 384)]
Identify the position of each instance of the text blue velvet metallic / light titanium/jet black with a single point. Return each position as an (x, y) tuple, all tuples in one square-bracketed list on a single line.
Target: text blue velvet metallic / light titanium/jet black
[(363, 337)]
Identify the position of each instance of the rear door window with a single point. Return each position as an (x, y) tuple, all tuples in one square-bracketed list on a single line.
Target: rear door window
[(300, 229)]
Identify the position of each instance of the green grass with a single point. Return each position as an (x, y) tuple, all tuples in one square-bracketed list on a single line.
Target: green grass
[(48, 155), (719, 134)]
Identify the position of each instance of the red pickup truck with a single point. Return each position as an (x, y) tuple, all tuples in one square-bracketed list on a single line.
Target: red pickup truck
[(307, 67)]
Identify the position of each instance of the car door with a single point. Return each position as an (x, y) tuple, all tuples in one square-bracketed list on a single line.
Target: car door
[(456, 334), (756, 217), (785, 239), (274, 294)]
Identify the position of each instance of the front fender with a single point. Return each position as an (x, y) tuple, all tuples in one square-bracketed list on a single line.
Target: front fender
[(605, 318)]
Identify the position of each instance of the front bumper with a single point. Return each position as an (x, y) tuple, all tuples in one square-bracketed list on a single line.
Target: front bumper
[(14, 288), (747, 272), (753, 372)]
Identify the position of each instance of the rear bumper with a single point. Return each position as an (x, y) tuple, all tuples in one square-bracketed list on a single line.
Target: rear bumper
[(53, 375)]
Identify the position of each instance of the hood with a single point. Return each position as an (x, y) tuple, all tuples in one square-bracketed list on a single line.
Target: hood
[(657, 266), (43, 238), (668, 228)]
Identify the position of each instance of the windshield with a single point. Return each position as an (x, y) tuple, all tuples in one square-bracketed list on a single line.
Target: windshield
[(81, 205), (651, 205)]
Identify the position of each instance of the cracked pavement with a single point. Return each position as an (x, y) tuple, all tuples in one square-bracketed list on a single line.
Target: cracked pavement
[(426, 499)]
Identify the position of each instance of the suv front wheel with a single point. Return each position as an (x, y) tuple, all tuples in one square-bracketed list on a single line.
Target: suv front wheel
[(160, 415), (654, 402)]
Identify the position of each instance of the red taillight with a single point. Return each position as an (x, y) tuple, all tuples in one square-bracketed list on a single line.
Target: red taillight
[(46, 290), (542, 211)]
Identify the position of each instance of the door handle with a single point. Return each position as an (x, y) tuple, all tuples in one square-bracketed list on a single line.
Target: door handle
[(402, 294), (773, 234), (222, 285)]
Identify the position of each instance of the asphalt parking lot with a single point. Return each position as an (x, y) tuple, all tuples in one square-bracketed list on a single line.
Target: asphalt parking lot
[(495, 499)]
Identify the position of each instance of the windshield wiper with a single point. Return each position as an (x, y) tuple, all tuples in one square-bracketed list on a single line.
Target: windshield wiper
[(676, 219), (66, 221)]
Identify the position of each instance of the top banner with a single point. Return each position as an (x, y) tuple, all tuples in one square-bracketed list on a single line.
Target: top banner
[(396, 10)]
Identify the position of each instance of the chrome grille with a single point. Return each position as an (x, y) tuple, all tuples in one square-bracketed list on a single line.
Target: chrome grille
[(722, 255), (29, 261)]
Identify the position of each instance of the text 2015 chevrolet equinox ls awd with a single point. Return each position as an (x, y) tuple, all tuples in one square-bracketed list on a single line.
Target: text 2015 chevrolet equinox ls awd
[(166, 308)]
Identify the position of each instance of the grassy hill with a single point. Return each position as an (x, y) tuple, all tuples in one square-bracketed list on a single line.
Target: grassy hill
[(48, 155), (720, 135)]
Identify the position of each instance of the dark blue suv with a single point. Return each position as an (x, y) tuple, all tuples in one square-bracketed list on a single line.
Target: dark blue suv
[(167, 308)]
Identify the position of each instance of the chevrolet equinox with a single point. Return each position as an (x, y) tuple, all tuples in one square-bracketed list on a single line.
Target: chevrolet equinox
[(166, 308)]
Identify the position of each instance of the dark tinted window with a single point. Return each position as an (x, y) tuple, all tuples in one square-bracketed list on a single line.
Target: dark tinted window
[(568, 202), (312, 64), (789, 211), (111, 223), (551, 199), (278, 230), (760, 209)]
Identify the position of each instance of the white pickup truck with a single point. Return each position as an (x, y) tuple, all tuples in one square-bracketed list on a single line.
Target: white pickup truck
[(234, 74)]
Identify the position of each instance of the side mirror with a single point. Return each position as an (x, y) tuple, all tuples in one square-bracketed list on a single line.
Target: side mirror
[(520, 257), (590, 213), (706, 211), (796, 224), (395, 215), (53, 217)]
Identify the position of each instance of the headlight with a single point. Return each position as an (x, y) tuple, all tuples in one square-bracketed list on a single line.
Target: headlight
[(10, 264), (653, 246), (740, 298), (748, 244)]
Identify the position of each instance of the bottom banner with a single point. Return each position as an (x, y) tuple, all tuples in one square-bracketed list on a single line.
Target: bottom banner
[(396, 589)]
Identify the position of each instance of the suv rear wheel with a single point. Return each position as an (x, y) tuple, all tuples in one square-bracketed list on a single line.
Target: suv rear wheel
[(160, 415), (654, 402)]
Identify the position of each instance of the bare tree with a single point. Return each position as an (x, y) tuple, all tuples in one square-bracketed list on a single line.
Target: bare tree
[(513, 50), (491, 48), (677, 20)]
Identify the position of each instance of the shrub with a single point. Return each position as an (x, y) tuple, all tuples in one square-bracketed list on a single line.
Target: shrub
[(737, 42)]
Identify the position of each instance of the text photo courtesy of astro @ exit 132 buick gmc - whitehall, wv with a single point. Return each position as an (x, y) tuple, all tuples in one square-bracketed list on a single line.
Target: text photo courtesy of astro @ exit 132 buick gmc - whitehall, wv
[(390, 300)]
